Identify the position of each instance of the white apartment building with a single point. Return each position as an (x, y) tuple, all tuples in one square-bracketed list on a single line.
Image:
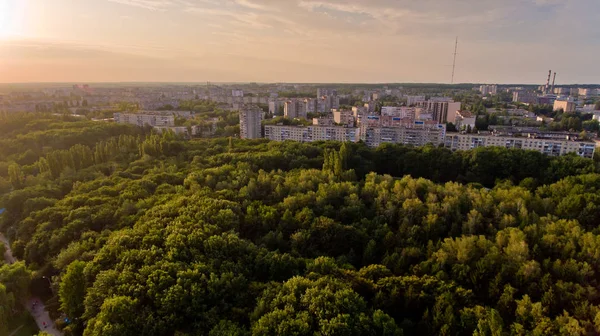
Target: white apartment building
[(375, 130), (551, 147), (237, 93), (311, 133), (251, 117), (145, 119), (374, 137), (399, 111)]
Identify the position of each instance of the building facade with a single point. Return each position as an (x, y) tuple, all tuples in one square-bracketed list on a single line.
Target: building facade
[(465, 120), (375, 130), (311, 133), (551, 147), (295, 109), (251, 117), (488, 90), (566, 106), (442, 109), (161, 120)]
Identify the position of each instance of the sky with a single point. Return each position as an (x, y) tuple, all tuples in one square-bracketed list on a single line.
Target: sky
[(371, 41)]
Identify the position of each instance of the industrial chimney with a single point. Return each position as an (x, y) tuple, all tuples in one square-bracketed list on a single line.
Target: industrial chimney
[(548, 82), (553, 82)]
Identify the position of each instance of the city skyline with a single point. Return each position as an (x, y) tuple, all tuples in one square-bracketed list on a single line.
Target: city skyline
[(298, 41)]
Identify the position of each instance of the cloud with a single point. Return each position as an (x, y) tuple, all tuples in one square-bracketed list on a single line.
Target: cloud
[(155, 5)]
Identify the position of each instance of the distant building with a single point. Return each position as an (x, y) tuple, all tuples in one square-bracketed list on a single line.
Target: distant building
[(562, 91), (399, 111), (294, 109), (145, 119), (311, 133), (549, 147), (251, 117), (488, 89), (566, 106), (237, 93), (345, 118), (585, 92), (413, 100), (321, 92), (524, 97), (465, 120), (375, 130), (310, 105), (274, 106), (443, 109)]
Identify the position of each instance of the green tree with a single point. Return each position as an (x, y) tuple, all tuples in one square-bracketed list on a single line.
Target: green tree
[(72, 290)]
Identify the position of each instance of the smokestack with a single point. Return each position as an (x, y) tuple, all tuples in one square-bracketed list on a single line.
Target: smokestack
[(553, 82), (548, 82)]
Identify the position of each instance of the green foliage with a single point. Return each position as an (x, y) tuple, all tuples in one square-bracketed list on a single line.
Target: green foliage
[(152, 235), (72, 290)]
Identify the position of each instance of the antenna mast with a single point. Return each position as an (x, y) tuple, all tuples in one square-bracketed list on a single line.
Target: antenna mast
[(454, 63)]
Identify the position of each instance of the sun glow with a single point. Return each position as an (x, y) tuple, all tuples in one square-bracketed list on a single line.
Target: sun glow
[(11, 18)]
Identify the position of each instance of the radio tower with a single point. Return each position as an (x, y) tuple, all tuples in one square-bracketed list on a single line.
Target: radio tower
[(454, 63)]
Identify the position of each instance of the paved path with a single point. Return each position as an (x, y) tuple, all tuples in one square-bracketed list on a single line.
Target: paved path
[(38, 312)]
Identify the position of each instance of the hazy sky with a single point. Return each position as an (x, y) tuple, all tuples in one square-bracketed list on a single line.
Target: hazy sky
[(500, 41)]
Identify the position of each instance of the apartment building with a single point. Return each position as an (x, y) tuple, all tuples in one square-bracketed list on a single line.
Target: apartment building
[(345, 118), (551, 147), (525, 97), (141, 120), (443, 109), (295, 109), (311, 133), (274, 106), (375, 130), (251, 117), (565, 105), (488, 89), (465, 120), (399, 111), (413, 100), (375, 136)]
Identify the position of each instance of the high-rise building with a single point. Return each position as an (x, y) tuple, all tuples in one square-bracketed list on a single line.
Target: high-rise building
[(274, 106), (326, 92), (488, 89), (295, 109), (345, 118), (443, 109), (251, 117)]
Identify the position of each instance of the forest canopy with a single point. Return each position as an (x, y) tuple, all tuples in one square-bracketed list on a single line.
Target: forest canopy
[(147, 234)]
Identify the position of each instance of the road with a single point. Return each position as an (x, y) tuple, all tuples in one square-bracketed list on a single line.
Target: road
[(38, 312)]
